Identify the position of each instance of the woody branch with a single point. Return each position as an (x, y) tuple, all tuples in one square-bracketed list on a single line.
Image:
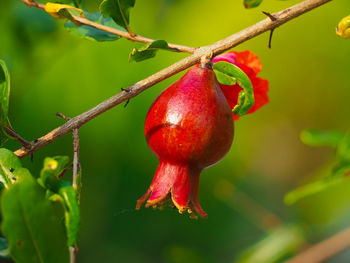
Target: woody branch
[(135, 89)]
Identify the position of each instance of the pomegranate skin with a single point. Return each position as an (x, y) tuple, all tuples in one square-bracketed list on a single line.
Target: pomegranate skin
[(189, 127)]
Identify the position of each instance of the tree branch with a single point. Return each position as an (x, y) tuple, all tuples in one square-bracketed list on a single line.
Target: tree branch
[(214, 49), (325, 249), (127, 35)]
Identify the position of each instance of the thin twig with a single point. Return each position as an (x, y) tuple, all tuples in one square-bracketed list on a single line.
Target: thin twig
[(270, 37), (76, 139), (64, 170), (127, 35), (18, 138), (325, 249), (76, 148), (126, 103), (216, 48), (273, 18), (59, 114), (73, 254)]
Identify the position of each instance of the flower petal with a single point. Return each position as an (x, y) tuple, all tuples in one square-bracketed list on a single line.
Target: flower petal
[(229, 57), (261, 87), (248, 59)]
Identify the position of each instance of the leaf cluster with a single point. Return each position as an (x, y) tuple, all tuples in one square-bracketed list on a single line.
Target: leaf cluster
[(41, 216)]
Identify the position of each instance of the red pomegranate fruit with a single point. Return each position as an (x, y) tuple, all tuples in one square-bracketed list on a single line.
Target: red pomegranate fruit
[(189, 127)]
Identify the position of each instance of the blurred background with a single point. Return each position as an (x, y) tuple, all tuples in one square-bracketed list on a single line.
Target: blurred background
[(308, 70)]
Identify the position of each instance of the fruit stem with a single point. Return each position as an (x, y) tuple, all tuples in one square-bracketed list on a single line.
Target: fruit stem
[(206, 61)]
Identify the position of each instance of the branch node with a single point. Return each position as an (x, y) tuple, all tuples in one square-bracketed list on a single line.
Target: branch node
[(59, 114), (127, 90), (206, 60), (269, 15)]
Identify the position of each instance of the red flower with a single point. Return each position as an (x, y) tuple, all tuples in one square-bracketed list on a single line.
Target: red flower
[(251, 65)]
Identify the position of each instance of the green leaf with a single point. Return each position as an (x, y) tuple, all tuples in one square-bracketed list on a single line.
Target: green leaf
[(252, 3), (321, 138), (275, 246), (10, 167), (4, 100), (92, 33), (68, 196), (55, 164), (30, 225), (224, 78), (118, 10), (72, 212), (148, 51), (338, 176), (4, 253), (246, 96)]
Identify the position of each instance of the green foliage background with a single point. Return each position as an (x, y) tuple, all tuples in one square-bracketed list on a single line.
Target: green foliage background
[(308, 69)]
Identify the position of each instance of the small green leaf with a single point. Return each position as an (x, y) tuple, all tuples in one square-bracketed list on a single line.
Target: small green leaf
[(55, 164), (252, 3), (4, 253), (148, 51), (92, 33), (338, 176), (72, 212), (68, 196), (275, 246), (321, 138), (118, 10), (225, 79), (4, 101), (49, 174), (30, 225), (10, 167), (246, 96)]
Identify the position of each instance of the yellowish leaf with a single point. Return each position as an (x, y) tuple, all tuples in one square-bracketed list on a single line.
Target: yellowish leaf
[(343, 28), (58, 10)]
